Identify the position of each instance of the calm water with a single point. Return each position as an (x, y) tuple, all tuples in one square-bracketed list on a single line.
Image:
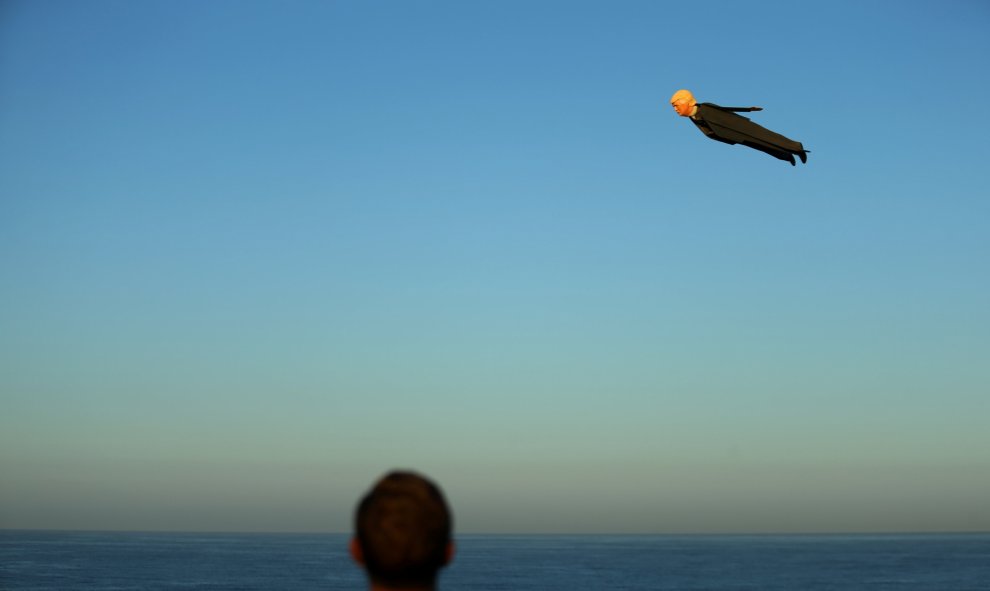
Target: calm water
[(91, 561)]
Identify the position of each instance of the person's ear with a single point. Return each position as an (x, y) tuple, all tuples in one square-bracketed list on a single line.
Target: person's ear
[(448, 553), (356, 552)]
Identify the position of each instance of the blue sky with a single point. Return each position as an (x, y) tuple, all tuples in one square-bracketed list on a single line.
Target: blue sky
[(253, 254)]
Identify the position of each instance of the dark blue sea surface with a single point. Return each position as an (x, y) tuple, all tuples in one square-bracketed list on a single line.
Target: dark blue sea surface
[(105, 561)]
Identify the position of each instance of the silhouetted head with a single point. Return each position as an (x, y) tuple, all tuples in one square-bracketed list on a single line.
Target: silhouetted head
[(684, 103), (403, 531)]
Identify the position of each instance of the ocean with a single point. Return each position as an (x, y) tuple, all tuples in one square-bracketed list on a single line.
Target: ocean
[(116, 561)]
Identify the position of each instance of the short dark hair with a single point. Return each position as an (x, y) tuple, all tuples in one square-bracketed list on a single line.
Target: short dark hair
[(403, 525)]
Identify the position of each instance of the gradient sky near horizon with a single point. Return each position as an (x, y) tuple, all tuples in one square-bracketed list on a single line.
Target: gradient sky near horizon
[(253, 254)]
